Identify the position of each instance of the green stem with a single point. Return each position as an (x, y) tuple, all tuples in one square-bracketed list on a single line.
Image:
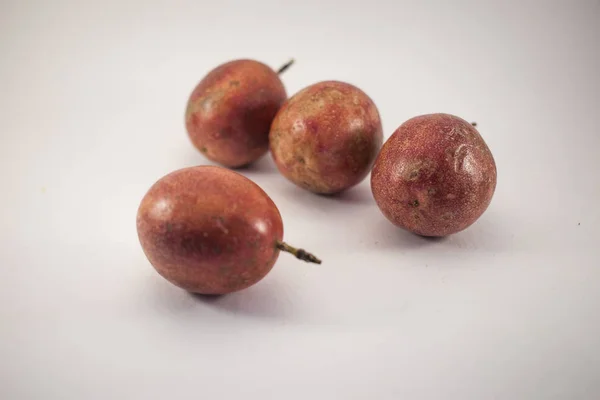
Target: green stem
[(285, 66), (299, 253)]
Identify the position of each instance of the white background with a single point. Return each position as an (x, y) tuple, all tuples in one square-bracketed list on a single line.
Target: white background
[(92, 98)]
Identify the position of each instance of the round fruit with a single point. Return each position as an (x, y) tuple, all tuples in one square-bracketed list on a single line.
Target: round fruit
[(325, 138), (434, 176), (230, 111), (210, 230)]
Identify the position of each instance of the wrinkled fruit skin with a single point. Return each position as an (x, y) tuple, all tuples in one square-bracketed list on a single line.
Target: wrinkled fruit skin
[(230, 112), (209, 230), (434, 176), (325, 138)]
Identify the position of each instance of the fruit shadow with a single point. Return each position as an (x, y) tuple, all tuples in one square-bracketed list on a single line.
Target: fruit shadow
[(264, 300), (488, 235), (262, 166), (386, 235), (259, 301), (358, 195)]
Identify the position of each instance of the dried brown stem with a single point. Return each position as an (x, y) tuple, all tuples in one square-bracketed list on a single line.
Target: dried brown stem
[(299, 253), (285, 66)]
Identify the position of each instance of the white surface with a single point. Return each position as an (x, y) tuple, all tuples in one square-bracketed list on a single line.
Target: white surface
[(92, 96)]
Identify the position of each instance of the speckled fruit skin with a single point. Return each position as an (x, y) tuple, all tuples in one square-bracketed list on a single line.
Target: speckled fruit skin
[(209, 230), (325, 138), (434, 176), (230, 111)]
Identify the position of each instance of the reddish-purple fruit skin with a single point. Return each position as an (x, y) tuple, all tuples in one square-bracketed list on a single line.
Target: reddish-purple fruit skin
[(325, 138), (230, 111), (434, 176), (209, 230)]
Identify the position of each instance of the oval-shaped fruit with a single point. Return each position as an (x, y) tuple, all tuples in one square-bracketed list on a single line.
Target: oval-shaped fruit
[(210, 230), (325, 138), (434, 176), (230, 111)]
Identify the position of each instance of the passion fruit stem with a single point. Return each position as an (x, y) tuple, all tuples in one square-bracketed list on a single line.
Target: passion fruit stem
[(299, 253), (285, 66)]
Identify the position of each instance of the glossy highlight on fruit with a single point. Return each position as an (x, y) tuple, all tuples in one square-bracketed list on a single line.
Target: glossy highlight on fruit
[(230, 111), (210, 230), (434, 176), (325, 138)]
